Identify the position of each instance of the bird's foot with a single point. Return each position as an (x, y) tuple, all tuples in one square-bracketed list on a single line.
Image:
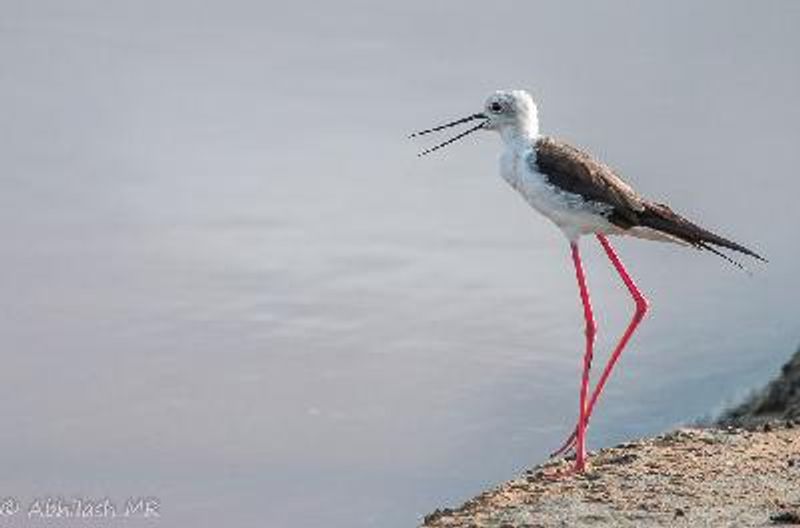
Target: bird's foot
[(559, 473)]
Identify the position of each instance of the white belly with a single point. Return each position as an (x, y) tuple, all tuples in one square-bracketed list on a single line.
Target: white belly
[(568, 211)]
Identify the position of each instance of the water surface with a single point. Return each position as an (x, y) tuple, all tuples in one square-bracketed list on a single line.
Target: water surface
[(230, 284)]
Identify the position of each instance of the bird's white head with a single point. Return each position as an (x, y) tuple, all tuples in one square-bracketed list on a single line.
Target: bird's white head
[(511, 113)]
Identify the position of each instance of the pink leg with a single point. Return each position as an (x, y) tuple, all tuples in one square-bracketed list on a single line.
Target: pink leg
[(638, 315), (591, 329)]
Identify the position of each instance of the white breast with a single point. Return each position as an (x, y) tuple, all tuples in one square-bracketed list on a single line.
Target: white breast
[(569, 211)]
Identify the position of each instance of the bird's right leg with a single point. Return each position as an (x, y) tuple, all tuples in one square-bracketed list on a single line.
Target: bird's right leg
[(591, 330)]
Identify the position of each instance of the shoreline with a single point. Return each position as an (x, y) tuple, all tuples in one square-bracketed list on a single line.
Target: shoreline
[(689, 477), (743, 470)]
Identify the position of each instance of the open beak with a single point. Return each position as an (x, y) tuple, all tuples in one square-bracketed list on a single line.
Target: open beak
[(473, 117)]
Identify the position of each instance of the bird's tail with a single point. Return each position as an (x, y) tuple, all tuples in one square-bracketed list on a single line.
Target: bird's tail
[(662, 218)]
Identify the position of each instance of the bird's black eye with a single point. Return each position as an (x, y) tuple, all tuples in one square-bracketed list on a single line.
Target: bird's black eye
[(496, 107)]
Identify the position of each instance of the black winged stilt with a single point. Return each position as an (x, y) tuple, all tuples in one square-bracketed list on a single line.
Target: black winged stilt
[(582, 196)]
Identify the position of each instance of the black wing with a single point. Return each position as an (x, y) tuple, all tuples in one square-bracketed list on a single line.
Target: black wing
[(577, 172)]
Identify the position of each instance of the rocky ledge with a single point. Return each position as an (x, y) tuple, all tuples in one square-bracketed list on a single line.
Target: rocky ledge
[(780, 399)]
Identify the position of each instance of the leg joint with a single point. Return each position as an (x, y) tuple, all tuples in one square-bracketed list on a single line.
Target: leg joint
[(642, 304)]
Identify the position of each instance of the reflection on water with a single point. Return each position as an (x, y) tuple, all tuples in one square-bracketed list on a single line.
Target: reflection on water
[(230, 284)]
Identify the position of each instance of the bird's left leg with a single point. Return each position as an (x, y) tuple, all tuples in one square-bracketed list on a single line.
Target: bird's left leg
[(641, 309)]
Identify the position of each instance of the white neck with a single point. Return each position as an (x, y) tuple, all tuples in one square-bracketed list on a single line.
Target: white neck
[(521, 133)]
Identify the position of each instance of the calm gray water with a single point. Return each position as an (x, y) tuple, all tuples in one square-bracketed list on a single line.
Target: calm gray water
[(229, 283)]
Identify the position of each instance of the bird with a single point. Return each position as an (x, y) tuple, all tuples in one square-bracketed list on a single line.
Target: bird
[(582, 196)]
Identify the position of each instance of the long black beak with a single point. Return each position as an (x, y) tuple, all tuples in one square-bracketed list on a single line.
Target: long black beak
[(448, 125)]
